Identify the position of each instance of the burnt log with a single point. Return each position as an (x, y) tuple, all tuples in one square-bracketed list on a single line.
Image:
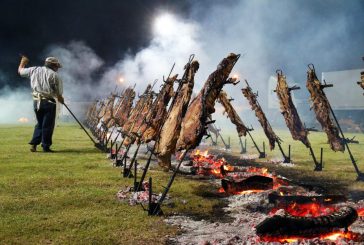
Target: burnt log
[(280, 200), (256, 182), (288, 225)]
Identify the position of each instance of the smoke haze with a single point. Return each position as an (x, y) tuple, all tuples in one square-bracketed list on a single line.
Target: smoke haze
[(270, 35)]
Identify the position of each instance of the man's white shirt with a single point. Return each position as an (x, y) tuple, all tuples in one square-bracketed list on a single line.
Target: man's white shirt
[(44, 81)]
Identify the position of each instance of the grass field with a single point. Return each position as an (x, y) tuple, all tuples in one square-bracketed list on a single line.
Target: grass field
[(69, 197), (338, 173)]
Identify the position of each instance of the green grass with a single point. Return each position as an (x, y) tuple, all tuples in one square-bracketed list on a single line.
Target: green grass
[(338, 170), (69, 197)]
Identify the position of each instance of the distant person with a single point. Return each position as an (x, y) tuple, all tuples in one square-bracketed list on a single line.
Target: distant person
[(47, 87)]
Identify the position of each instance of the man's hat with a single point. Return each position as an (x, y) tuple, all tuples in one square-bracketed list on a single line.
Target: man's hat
[(53, 61)]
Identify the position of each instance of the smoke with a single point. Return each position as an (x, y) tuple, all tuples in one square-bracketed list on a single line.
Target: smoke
[(270, 35), (173, 41), (80, 65), (15, 104)]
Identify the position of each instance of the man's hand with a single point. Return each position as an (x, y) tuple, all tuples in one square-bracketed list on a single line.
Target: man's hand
[(60, 99), (23, 62)]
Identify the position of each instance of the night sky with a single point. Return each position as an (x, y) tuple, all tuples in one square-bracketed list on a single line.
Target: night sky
[(109, 27), (112, 28)]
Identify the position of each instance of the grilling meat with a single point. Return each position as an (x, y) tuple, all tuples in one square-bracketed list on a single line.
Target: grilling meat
[(361, 84), (202, 106), (134, 113), (137, 116), (172, 126), (321, 106), (252, 98), (156, 117), (289, 112), (125, 106), (232, 114)]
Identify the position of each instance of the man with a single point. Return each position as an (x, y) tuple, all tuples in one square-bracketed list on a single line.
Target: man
[(47, 87)]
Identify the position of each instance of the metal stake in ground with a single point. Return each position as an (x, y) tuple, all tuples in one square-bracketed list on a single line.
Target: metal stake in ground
[(157, 209), (243, 147), (261, 153), (97, 145), (360, 174), (146, 167)]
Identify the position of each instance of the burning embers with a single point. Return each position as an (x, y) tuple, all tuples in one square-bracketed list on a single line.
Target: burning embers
[(287, 227), (294, 214), (208, 165), (255, 183), (235, 179)]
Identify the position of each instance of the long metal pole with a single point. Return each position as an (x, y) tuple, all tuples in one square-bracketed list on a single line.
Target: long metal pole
[(73, 115), (360, 174), (318, 166), (146, 167), (168, 187), (261, 154)]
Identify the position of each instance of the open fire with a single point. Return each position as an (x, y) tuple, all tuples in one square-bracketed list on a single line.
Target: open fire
[(239, 180)]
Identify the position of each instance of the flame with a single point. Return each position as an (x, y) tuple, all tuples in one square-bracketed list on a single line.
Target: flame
[(228, 168), (248, 192), (360, 212), (333, 236), (207, 164), (23, 120), (307, 209)]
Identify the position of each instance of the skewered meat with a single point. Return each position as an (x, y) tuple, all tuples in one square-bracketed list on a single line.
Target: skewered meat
[(129, 124), (172, 126), (202, 106), (125, 106), (361, 84), (252, 98), (155, 118), (321, 106), (232, 114), (289, 112)]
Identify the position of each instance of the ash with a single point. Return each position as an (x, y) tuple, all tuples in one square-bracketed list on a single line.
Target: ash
[(246, 211), (140, 197)]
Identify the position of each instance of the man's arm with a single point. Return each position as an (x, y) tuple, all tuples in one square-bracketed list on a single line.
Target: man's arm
[(59, 89), (23, 62)]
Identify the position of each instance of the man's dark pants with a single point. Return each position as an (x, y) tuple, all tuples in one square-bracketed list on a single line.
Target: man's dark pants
[(43, 131)]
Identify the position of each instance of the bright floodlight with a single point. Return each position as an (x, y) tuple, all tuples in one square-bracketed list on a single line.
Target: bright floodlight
[(165, 24), (121, 79)]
